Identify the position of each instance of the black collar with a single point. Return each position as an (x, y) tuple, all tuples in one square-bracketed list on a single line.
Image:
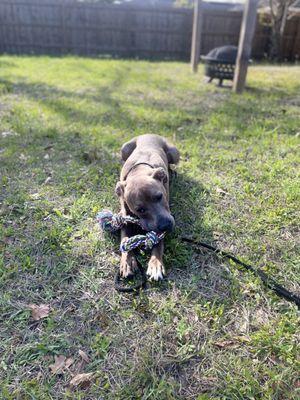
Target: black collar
[(136, 165)]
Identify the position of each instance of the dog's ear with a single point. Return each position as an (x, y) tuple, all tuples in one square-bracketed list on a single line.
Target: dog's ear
[(160, 174), (120, 188), (128, 148), (173, 155)]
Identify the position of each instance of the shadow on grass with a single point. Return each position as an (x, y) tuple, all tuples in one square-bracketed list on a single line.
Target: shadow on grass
[(102, 104), (64, 102), (194, 271), (200, 274), (41, 251), (5, 63)]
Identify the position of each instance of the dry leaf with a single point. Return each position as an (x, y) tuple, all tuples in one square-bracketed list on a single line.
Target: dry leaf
[(39, 376), (22, 157), (39, 312), (47, 180), (9, 133), (84, 356), (225, 343), (244, 339), (82, 380), (59, 364), (69, 362), (35, 196), (84, 360), (221, 191)]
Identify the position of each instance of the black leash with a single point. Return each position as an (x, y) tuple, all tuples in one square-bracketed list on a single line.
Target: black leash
[(267, 280)]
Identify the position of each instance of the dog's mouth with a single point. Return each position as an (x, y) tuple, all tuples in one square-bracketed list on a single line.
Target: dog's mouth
[(146, 228), (166, 227)]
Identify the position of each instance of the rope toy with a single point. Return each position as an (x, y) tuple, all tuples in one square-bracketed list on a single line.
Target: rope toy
[(113, 222)]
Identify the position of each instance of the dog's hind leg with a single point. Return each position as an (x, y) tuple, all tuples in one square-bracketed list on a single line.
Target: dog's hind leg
[(128, 148)]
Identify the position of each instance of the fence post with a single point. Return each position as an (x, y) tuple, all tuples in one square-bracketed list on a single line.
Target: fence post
[(245, 42), (196, 35)]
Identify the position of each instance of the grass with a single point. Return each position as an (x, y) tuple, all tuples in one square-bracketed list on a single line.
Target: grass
[(211, 331)]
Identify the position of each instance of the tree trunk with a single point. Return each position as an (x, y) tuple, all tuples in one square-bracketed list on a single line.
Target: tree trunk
[(279, 14), (275, 52)]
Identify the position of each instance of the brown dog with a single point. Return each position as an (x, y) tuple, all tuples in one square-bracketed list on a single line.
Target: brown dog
[(144, 192)]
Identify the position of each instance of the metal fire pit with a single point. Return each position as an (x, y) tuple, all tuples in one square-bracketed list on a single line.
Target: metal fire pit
[(220, 63)]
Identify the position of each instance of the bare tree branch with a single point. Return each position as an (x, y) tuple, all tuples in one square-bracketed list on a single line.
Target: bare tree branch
[(279, 11)]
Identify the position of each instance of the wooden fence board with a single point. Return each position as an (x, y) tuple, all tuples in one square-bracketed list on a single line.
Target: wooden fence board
[(70, 26)]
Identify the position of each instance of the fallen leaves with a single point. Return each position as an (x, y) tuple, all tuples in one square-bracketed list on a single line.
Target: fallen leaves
[(22, 157), (84, 356), (221, 192), (84, 359), (35, 196), (234, 342), (60, 363), (82, 380), (39, 311), (47, 180), (226, 343)]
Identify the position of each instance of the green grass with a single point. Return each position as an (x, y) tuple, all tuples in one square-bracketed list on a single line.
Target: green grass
[(211, 331)]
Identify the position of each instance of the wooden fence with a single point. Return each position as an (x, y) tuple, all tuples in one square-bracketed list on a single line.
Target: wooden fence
[(74, 27)]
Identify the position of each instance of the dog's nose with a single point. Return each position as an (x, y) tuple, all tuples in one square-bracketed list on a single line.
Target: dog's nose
[(165, 224)]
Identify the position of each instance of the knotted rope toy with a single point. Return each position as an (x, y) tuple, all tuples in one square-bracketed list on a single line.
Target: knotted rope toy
[(114, 222)]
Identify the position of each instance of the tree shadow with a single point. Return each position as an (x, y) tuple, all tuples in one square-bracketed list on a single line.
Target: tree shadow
[(5, 63), (64, 102), (102, 104), (200, 273), (47, 241)]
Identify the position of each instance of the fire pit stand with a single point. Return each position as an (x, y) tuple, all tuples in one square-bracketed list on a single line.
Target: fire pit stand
[(220, 63)]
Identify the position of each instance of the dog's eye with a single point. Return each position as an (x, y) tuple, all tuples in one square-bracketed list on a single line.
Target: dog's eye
[(141, 210), (158, 197)]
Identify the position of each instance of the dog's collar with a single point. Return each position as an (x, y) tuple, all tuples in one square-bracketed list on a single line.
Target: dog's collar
[(136, 165)]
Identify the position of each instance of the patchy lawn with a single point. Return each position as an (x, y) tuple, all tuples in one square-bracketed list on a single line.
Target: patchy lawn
[(211, 331)]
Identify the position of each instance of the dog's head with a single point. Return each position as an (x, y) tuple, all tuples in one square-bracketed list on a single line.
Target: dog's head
[(146, 197)]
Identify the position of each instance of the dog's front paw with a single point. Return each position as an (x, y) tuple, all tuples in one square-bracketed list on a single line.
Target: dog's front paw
[(156, 270), (128, 265)]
